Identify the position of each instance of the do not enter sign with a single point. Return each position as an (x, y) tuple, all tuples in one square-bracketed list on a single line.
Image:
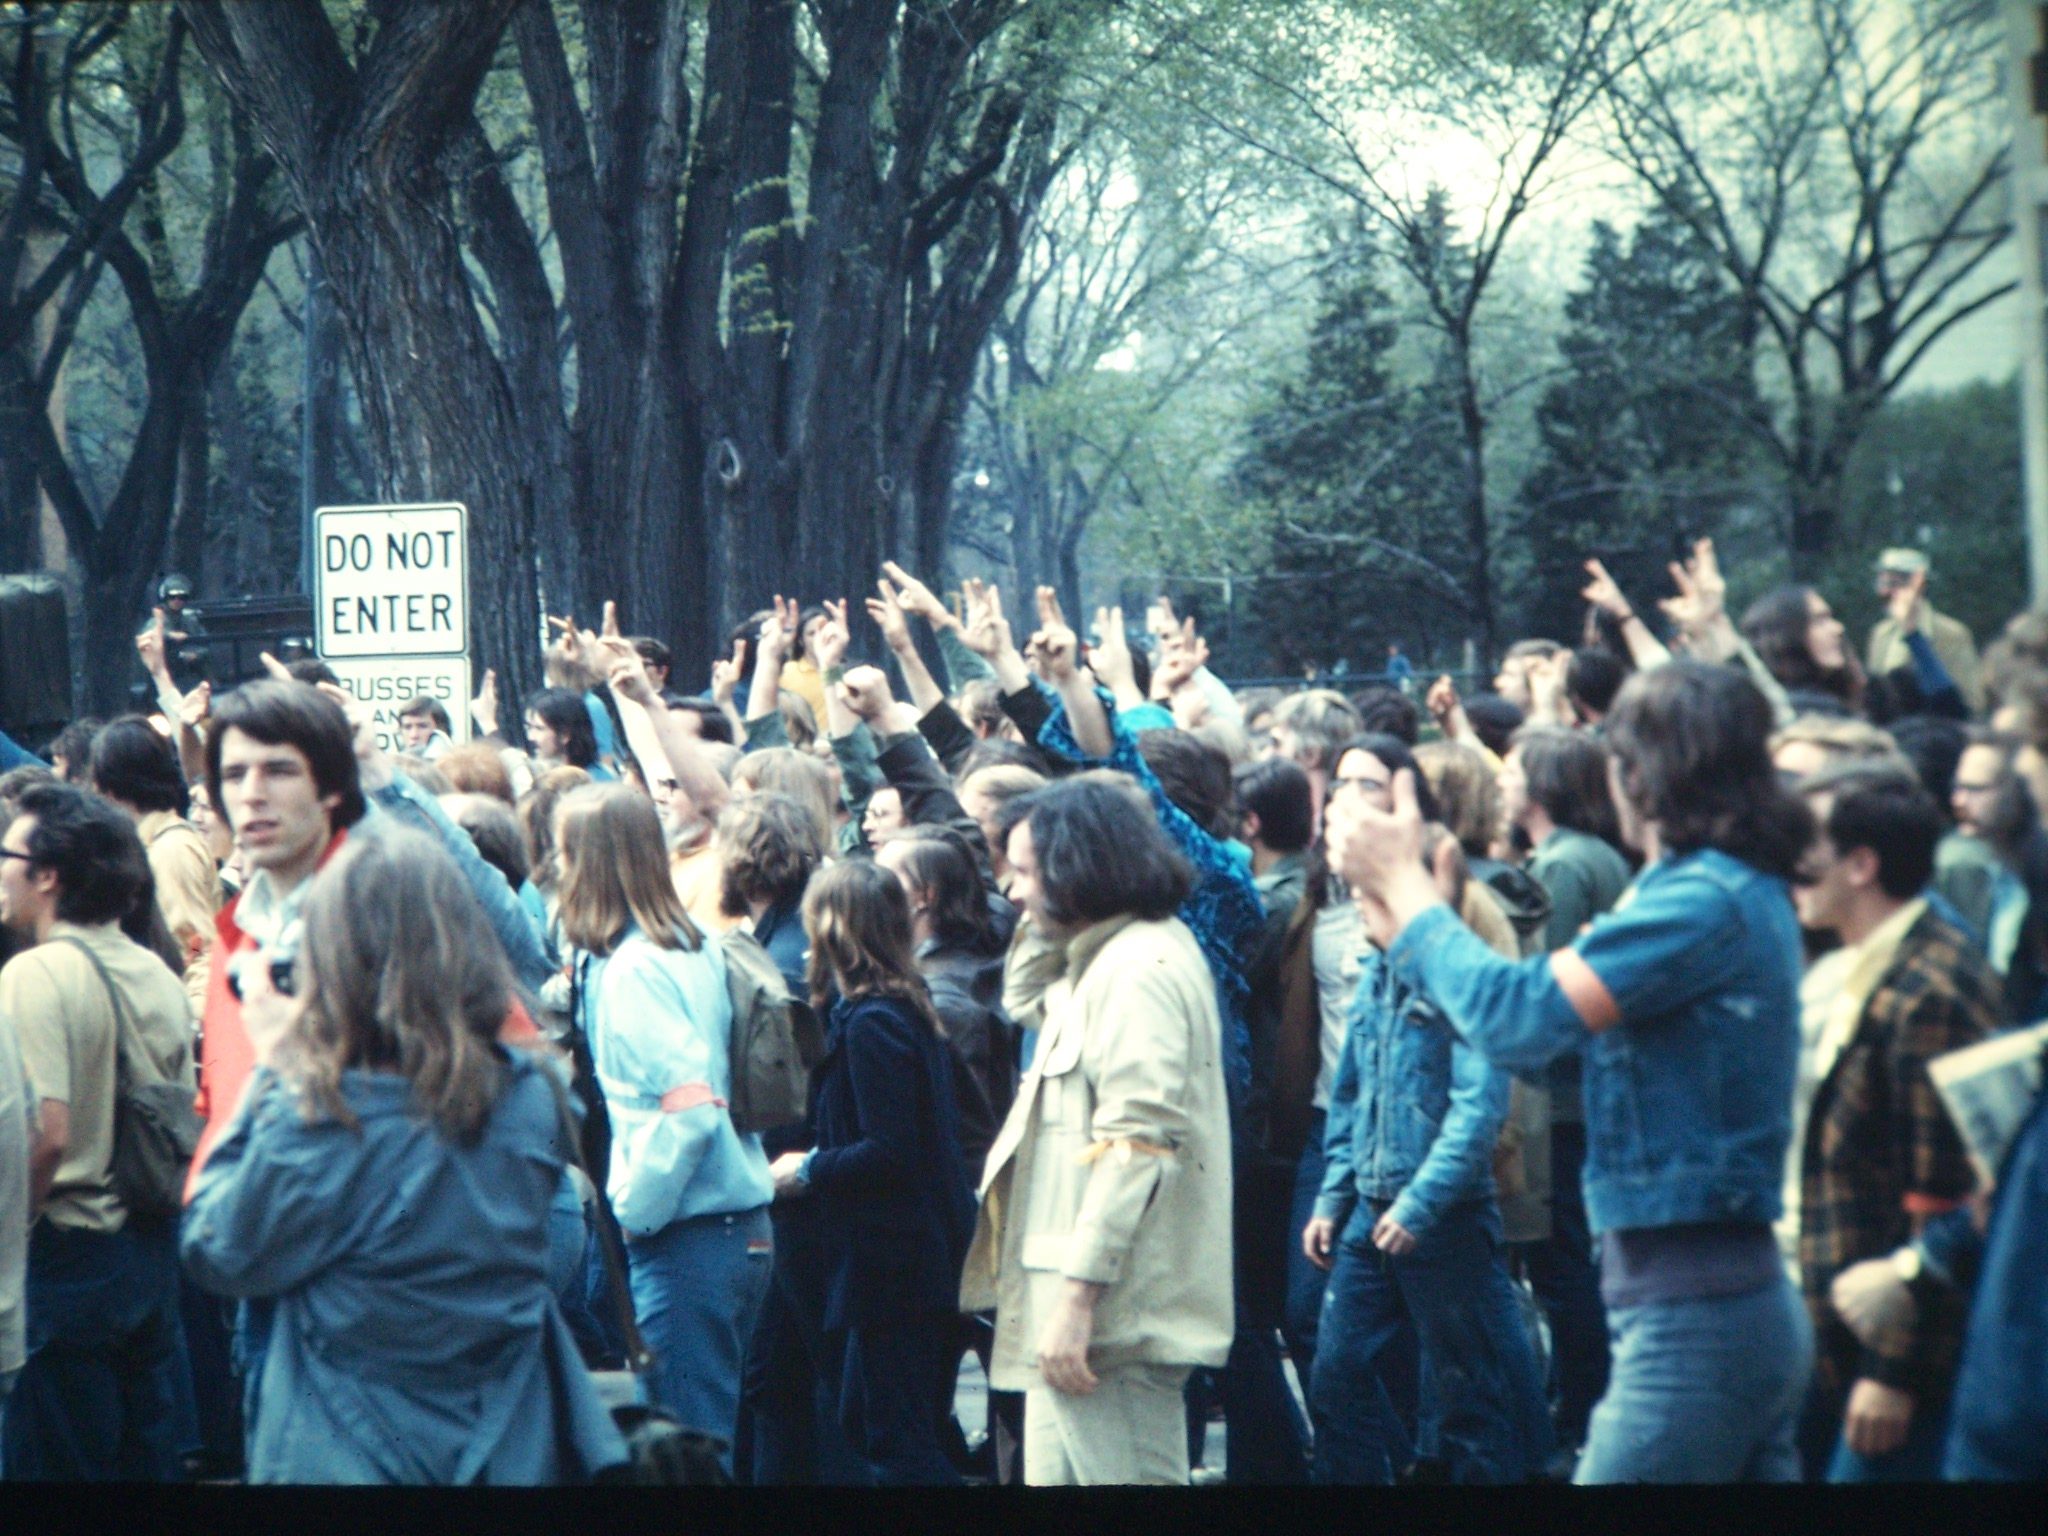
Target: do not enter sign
[(392, 581)]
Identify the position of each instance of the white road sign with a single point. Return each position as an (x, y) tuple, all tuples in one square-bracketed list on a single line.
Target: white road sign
[(388, 683), (391, 581)]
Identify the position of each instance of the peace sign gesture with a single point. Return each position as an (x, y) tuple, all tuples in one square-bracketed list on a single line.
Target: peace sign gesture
[(1605, 593), (1058, 647), (1702, 591), (913, 596), (778, 632), (832, 637), (986, 632)]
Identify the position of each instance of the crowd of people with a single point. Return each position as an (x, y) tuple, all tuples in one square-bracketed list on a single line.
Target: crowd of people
[(1528, 1085)]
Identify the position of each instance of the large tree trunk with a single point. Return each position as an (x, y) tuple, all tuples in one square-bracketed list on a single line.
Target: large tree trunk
[(187, 552), (1816, 494), (1478, 530), (363, 147)]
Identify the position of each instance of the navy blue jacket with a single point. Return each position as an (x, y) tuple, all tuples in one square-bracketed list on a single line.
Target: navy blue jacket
[(893, 1202)]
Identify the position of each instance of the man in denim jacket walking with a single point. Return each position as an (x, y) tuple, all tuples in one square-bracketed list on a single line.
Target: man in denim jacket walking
[(1408, 1227)]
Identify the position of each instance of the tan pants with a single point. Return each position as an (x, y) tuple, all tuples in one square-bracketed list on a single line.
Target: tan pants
[(1132, 1428)]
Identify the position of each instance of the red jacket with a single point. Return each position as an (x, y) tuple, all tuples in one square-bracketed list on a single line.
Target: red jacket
[(226, 1058)]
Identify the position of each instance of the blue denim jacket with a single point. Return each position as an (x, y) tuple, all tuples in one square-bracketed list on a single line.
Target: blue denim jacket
[(1689, 1098), (415, 1336), (1414, 1111), (523, 938)]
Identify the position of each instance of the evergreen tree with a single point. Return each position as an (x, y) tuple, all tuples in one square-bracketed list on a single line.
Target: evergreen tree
[(1358, 473), (1643, 443)]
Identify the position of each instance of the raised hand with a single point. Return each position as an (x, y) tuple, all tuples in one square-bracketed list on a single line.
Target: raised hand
[(725, 675), (1907, 602), (571, 639), (1702, 592), (778, 636), (1160, 622), (373, 764), (866, 691), (1059, 647), (626, 671), (831, 638), (483, 709), (915, 597), (609, 630), (196, 705), (149, 645), (1708, 580), (1605, 593), (986, 632), (888, 612), (1384, 856), (1110, 656), (1181, 654)]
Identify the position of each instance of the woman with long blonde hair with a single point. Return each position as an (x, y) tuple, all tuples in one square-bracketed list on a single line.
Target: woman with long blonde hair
[(894, 1204), (388, 1183), (689, 1189)]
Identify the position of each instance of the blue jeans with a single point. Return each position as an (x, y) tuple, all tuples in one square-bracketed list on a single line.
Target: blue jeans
[(1304, 1306), (209, 1400), (1454, 1293), (1706, 1391), (1567, 1287), (95, 1400), (697, 1287)]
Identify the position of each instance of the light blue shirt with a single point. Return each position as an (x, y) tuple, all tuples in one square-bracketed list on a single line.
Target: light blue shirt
[(660, 1028)]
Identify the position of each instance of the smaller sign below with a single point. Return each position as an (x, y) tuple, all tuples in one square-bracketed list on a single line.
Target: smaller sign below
[(391, 581), (388, 683)]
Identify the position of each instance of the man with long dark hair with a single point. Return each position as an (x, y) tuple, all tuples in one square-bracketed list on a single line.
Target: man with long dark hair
[(1105, 1216), (1685, 1003)]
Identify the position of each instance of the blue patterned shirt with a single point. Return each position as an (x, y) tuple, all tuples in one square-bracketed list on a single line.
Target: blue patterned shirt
[(1223, 911)]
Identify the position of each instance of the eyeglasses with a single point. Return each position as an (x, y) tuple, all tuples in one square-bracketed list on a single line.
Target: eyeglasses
[(9, 853)]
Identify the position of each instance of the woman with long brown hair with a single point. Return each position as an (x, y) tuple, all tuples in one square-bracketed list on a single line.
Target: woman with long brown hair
[(388, 1180), (885, 1170), (689, 1189)]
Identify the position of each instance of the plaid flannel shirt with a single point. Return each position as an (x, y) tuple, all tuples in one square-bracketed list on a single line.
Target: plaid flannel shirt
[(1880, 1151)]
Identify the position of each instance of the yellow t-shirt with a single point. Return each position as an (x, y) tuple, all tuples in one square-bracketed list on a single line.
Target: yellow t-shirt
[(187, 893), (68, 1032)]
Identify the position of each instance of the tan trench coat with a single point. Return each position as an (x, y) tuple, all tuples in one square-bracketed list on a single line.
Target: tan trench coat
[(1114, 1163)]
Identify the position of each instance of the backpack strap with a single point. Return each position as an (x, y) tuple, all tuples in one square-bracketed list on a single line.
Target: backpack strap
[(128, 1038), (639, 1357)]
